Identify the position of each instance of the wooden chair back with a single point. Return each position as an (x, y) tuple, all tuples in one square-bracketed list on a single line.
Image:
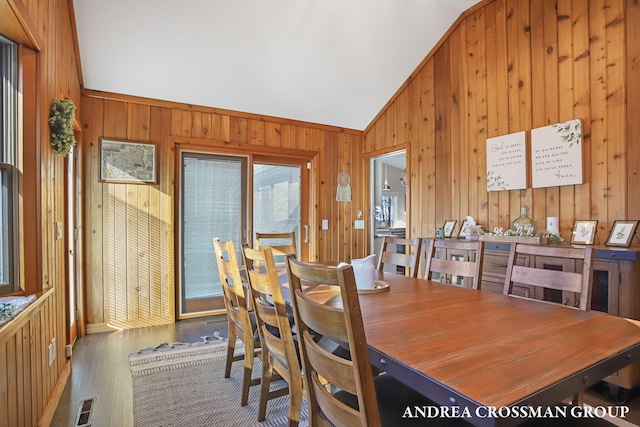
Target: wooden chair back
[(320, 367), (576, 278), (280, 243), (408, 259), (441, 257), (240, 324), (278, 347)]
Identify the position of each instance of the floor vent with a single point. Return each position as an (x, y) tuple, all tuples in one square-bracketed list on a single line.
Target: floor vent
[(85, 413)]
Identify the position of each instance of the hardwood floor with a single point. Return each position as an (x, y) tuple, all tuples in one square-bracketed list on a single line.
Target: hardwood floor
[(100, 369)]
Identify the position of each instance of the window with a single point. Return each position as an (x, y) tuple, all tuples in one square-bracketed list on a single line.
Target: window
[(8, 161)]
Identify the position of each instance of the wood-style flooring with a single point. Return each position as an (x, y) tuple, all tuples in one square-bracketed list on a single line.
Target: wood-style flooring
[(100, 369)]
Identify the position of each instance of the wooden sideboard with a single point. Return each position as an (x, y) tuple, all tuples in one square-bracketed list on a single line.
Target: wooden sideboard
[(616, 287)]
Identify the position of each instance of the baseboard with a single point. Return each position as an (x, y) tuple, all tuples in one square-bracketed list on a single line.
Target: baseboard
[(52, 404)]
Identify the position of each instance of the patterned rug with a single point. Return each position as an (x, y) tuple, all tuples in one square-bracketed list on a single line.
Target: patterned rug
[(184, 385)]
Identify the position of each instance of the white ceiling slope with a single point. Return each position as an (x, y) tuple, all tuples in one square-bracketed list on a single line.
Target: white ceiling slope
[(334, 62)]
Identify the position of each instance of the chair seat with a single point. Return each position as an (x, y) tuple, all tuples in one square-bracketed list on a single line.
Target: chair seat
[(393, 399)]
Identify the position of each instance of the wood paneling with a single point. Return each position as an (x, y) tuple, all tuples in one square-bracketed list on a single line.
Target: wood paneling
[(508, 66), (49, 70), (130, 274)]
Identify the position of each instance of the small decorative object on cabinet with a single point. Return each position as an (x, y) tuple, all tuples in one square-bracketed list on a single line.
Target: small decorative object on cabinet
[(524, 224), (622, 233)]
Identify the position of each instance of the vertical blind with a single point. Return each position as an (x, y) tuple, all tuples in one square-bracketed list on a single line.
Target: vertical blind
[(212, 207)]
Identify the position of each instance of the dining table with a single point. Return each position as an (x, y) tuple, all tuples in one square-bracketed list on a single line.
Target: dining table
[(494, 359)]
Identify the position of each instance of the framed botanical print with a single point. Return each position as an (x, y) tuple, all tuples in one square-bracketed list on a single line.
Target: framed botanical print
[(584, 232), (622, 233), (449, 225)]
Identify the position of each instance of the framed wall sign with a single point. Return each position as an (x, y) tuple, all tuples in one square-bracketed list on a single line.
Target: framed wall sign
[(449, 225), (128, 161), (556, 154), (622, 233), (584, 232), (507, 162)]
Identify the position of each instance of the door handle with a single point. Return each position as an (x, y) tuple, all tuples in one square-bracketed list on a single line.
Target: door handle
[(306, 233)]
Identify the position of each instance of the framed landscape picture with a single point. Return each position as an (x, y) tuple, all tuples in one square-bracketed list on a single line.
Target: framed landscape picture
[(584, 232), (128, 161), (622, 233)]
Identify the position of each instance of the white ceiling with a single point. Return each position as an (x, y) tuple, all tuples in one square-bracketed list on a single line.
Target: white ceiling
[(334, 62)]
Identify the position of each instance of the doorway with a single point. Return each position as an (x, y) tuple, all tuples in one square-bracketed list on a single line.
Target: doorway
[(232, 197), (389, 198)]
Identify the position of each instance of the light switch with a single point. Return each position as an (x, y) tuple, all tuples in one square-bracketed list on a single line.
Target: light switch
[(359, 224), (325, 224)]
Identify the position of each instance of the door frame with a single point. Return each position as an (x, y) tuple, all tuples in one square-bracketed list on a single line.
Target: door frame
[(260, 154)]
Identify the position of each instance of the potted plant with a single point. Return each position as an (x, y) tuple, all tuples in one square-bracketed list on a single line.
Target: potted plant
[(61, 125)]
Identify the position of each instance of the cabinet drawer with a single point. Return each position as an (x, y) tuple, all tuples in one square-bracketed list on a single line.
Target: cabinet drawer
[(495, 264)]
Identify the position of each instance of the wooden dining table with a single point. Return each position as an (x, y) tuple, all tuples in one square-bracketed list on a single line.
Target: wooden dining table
[(480, 350)]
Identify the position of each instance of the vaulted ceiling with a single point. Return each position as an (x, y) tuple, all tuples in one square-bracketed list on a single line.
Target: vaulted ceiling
[(334, 62)]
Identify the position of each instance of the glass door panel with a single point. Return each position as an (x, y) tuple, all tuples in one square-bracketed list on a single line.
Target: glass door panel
[(276, 200), (213, 205)]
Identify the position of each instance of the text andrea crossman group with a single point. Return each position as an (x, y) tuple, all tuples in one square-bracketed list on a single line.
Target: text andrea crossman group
[(560, 411)]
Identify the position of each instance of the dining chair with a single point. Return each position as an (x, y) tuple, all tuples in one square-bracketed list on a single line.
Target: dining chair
[(241, 322), (360, 399), (279, 352), (566, 270), (408, 258), (455, 261), (280, 243)]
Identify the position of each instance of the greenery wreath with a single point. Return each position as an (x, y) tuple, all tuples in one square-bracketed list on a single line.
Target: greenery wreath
[(61, 125)]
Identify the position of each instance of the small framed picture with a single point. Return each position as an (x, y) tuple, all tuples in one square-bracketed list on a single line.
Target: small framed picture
[(622, 233), (128, 162), (465, 229), (584, 232), (449, 225)]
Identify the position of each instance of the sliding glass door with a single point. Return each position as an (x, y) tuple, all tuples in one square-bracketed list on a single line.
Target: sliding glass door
[(276, 199), (233, 197)]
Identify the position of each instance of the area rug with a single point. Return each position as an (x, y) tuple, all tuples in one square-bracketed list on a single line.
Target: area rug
[(183, 385)]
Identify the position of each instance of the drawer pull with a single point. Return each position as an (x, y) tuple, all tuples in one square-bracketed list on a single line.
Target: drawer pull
[(493, 264)]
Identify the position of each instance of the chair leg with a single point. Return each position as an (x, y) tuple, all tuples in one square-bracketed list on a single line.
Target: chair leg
[(265, 384), (246, 383), (231, 346), (295, 403)]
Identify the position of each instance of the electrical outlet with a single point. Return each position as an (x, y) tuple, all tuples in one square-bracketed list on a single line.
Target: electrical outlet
[(325, 224), (359, 224)]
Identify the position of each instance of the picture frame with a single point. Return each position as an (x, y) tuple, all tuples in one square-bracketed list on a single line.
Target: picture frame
[(622, 233), (584, 232), (128, 162), (465, 228), (449, 225)]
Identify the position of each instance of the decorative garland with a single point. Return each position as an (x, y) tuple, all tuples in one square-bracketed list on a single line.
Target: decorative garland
[(61, 125)]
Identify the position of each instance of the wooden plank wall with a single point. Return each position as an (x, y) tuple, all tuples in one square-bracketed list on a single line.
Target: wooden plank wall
[(509, 66), (28, 385), (130, 247)]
